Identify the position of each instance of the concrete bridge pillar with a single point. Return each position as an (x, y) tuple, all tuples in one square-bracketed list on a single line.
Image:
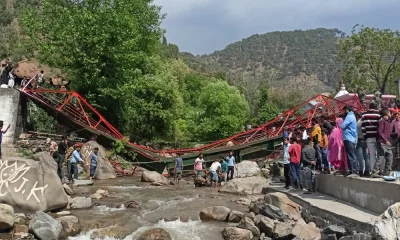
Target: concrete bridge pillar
[(11, 108)]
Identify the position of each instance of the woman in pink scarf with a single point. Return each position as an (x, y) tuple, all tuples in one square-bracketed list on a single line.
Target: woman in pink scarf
[(336, 152)]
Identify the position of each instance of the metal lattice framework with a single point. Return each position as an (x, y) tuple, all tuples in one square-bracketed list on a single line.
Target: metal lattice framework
[(73, 106)]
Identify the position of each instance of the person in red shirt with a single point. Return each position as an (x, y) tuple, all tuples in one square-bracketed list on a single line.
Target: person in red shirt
[(295, 155)]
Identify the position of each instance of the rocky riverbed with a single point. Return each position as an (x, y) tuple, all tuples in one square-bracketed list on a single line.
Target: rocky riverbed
[(146, 206)]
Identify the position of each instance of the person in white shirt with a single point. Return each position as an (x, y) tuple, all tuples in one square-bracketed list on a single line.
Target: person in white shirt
[(215, 166), (286, 162), (40, 77)]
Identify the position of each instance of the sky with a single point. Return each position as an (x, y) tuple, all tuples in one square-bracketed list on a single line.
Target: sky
[(203, 26)]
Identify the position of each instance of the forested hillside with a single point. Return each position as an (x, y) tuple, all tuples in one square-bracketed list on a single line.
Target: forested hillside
[(288, 62)]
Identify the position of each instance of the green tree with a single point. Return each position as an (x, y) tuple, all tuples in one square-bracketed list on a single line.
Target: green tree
[(110, 51), (371, 58), (222, 110), (266, 109)]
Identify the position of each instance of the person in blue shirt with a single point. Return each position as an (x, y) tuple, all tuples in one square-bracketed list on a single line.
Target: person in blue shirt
[(349, 127), (75, 158), (1, 133), (93, 162), (178, 169), (231, 165)]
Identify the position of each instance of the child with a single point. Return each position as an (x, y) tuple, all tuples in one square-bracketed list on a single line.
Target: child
[(1, 133)]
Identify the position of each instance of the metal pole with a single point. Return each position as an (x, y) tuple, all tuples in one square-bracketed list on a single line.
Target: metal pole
[(398, 82)]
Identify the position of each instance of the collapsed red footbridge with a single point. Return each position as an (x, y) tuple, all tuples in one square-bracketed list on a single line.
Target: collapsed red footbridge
[(72, 110)]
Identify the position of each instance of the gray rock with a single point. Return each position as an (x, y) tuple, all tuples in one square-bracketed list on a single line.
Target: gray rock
[(104, 168), (358, 236), (78, 182), (218, 213), (32, 185), (154, 177), (250, 215), (250, 185), (247, 169), (336, 230), (386, 229), (81, 202), (63, 213), (267, 226), (268, 210), (329, 237), (155, 233), (233, 233), (235, 216), (247, 223), (282, 230), (7, 217), (67, 189), (71, 224), (45, 227)]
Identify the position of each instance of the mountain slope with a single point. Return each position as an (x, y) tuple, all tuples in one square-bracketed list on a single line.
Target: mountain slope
[(295, 62)]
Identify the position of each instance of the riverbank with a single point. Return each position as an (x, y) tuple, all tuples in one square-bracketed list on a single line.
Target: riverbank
[(174, 208)]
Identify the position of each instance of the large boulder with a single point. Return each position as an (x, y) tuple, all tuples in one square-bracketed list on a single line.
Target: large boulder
[(282, 201), (388, 225), (155, 234), (247, 223), (153, 176), (45, 227), (233, 233), (247, 169), (250, 185), (7, 217), (282, 230), (81, 202), (268, 210), (31, 186), (235, 216), (71, 224), (104, 168), (306, 232), (218, 213)]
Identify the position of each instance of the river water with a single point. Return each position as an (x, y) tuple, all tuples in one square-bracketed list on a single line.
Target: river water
[(173, 208)]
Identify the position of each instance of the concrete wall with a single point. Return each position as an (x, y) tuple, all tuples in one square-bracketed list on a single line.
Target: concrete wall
[(10, 113), (373, 194)]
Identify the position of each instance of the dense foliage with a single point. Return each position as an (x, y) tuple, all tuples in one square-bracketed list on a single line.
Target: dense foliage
[(289, 61), (115, 55), (371, 59)]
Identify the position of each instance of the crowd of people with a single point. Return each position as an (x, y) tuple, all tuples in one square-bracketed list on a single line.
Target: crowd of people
[(65, 153), (358, 145)]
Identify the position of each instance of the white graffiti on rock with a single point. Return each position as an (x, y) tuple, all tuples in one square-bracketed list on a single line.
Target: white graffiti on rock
[(12, 179)]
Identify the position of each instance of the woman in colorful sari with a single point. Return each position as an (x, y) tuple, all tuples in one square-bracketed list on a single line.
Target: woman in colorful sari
[(336, 151)]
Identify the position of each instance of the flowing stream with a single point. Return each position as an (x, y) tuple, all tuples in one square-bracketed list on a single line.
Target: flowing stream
[(173, 208)]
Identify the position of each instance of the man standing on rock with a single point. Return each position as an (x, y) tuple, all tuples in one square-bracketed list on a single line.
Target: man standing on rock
[(383, 165), (231, 165), (76, 157), (62, 150), (2, 132), (93, 162)]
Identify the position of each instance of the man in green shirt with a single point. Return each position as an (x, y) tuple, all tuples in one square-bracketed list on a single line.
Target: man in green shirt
[(224, 168)]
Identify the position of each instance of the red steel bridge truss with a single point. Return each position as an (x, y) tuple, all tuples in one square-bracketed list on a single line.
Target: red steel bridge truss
[(72, 105)]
